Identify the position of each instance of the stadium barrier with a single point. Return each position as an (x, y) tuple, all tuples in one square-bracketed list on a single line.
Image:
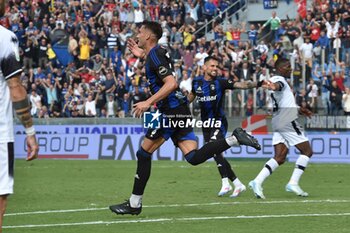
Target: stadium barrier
[(121, 142)]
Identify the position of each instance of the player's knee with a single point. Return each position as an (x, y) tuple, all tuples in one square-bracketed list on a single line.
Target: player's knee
[(143, 155), (280, 159), (192, 158), (309, 153)]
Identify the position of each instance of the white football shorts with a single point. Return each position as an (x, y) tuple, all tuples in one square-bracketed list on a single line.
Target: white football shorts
[(292, 134), (6, 168)]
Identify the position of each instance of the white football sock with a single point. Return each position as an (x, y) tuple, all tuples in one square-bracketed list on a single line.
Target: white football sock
[(231, 140), (225, 182), (269, 167), (236, 182), (300, 166), (135, 201)]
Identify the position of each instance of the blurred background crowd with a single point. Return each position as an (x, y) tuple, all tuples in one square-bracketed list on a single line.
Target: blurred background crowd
[(76, 64)]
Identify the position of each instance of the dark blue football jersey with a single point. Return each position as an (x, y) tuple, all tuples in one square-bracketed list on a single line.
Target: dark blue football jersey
[(211, 96), (158, 66)]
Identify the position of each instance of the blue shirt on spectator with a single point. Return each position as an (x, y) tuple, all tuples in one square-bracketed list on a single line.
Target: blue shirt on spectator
[(323, 41), (125, 106), (209, 8), (253, 35)]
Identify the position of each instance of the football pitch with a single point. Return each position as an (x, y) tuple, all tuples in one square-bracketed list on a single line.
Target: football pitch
[(73, 196)]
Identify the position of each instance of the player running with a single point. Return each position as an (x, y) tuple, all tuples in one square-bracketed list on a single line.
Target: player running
[(170, 102), (210, 90), (287, 132)]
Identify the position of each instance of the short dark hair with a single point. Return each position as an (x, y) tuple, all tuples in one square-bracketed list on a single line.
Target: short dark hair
[(154, 27), (210, 58), (283, 67)]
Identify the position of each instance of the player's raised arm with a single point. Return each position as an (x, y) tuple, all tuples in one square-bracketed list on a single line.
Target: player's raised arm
[(277, 86), (247, 84)]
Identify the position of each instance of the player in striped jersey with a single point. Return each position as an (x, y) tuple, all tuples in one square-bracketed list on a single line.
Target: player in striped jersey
[(210, 90), (170, 102), (12, 96)]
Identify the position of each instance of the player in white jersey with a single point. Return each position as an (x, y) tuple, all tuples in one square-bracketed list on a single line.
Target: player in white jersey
[(287, 132), (12, 96)]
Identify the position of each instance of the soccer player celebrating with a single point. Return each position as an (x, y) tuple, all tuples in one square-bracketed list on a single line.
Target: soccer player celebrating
[(171, 102), (287, 132), (12, 95), (210, 91)]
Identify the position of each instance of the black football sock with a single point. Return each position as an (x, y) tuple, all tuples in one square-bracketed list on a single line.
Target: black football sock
[(143, 171), (207, 151), (219, 159)]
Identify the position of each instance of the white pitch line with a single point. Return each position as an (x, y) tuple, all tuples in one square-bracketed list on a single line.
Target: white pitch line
[(177, 219), (183, 205)]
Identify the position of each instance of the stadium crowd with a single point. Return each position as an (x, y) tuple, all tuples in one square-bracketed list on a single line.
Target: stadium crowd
[(103, 79)]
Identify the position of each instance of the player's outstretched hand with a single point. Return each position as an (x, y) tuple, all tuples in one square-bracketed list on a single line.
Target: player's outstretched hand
[(140, 108), (33, 147), (306, 112), (134, 48), (266, 84)]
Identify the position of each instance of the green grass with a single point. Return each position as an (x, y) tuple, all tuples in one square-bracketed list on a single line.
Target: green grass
[(67, 185)]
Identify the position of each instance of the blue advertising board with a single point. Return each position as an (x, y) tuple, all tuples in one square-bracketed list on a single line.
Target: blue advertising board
[(121, 142)]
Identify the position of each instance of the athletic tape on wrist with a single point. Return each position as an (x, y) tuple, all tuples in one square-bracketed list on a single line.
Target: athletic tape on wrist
[(30, 131)]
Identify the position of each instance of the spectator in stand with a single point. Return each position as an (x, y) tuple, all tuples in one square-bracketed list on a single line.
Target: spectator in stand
[(90, 105), (188, 55), (335, 98), (301, 98), (324, 41), (28, 54), (200, 56), (84, 44), (210, 10), (346, 102), (43, 113), (332, 31), (43, 59), (112, 107), (187, 31), (121, 90), (274, 23), (125, 106), (35, 101), (192, 8), (306, 52), (325, 81), (51, 55), (186, 83), (253, 34), (312, 91), (73, 47)]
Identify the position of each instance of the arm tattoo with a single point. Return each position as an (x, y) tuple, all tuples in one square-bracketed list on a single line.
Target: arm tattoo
[(245, 85), (251, 85), (22, 109)]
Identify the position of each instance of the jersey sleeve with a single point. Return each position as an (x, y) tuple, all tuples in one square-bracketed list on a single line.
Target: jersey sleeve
[(162, 63), (227, 84), (9, 56), (280, 80)]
